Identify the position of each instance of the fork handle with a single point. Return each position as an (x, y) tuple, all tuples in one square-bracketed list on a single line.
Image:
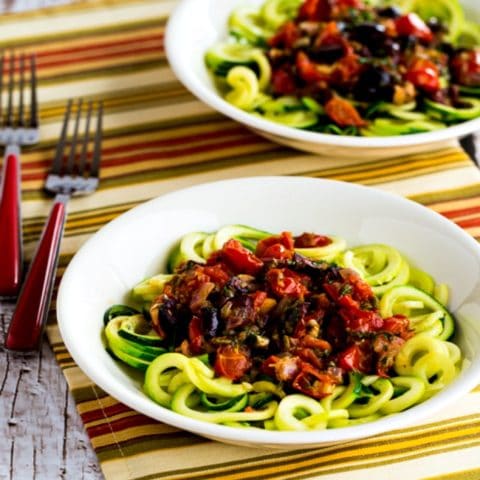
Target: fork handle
[(28, 321), (10, 225)]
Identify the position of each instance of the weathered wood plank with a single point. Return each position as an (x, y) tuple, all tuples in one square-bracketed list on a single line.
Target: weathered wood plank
[(42, 434)]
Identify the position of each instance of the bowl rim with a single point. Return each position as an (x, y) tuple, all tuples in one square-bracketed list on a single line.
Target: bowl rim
[(468, 379), (175, 27)]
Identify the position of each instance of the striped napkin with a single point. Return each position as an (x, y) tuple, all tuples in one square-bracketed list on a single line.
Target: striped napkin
[(158, 138)]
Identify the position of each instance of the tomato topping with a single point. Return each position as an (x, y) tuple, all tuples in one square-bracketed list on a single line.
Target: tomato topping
[(315, 10), (465, 67), (346, 70), (357, 320), (283, 82), (412, 25), (361, 290), (195, 335), (398, 325), (258, 299), (217, 274), (239, 259), (307, 70), (285, 240), (286, 36), (232, 362), (284, 282), (277, 251), (424, 74), (343, 113), (314, 383), (354, 359), (323, 10), (312, 240), (329, 35)]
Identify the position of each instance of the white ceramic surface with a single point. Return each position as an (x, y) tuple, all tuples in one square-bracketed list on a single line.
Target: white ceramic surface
[(136, 245), (196, 25)]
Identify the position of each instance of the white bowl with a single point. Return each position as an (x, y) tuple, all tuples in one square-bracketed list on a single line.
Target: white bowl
[(136, 245), (196, 25)]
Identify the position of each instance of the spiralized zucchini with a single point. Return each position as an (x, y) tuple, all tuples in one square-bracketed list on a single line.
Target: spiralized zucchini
[(424, 365)]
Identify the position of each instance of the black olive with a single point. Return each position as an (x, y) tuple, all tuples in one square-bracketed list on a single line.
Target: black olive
[(390, 48), (447, 48), (389, 12), (370, 34), (210, 321), (436, 25), (374, 83), (408, 41), (329, 53)]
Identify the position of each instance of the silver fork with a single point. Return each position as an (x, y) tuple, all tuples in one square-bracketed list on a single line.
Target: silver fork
[(16, 130), (72, 175)]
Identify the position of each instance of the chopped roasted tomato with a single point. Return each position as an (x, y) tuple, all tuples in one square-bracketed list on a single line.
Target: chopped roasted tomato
[(328, 35), (424, 74), (283, 82), (360, 321), (343, 113), (258, 298), (352, 291), (285, 282), (412, 25), (232, 362), (308, 70), (285, 239), (398, 325), (465, 67), (277, 251), (311, 240), (239, 259), (315, 10), (314, 383), (286, 36), (346, 71), (217, 274), (275, 247), (360, 289), (324, 10), (354, 359), (195, 335)]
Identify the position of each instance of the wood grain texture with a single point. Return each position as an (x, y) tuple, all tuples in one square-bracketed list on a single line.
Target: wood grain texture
[(43, 437)]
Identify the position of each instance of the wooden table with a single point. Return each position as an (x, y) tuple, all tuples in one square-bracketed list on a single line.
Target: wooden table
[(42, 434)]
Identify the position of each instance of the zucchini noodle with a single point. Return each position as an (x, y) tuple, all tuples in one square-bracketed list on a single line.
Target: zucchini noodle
[(245, 87), (276, 12), (424, 364)]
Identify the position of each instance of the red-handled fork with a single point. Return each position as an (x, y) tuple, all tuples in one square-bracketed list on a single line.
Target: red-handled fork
[(16, 130), (75, 175)]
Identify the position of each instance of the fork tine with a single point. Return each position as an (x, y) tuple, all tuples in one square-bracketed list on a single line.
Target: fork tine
[(73, 144), (86, 140), (33, 92), (94, 170), (11, 79), (58, 159), (21, 113)]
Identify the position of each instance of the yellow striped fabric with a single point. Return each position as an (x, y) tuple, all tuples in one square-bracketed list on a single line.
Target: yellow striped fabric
[(158, 138)]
